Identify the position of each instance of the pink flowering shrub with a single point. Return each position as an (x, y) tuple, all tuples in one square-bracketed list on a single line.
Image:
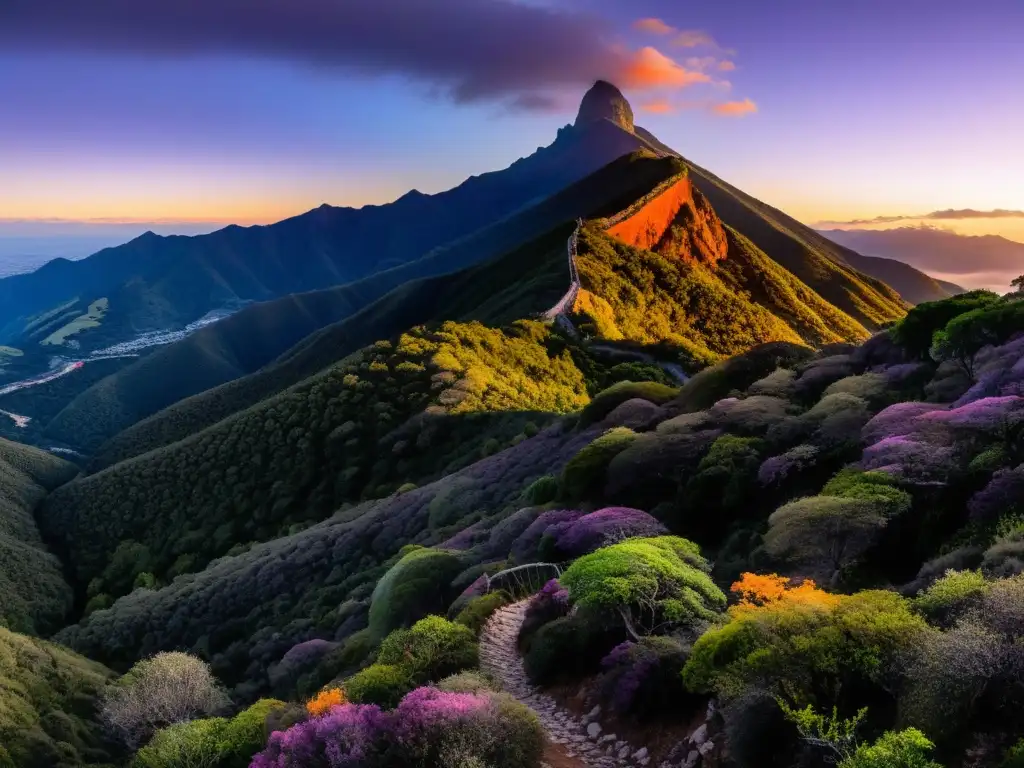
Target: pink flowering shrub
[(906, 457), (429, 727), (895, 420)]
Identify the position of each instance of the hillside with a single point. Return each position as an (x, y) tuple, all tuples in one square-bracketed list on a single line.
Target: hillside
[(860, 468), (156, 283), (358, 420), (254, 336), (34, 597)]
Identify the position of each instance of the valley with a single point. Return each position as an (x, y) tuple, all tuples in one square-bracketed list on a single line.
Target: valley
[(593, 460)]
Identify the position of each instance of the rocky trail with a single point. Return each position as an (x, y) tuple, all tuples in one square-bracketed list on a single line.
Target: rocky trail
[(576, 742)]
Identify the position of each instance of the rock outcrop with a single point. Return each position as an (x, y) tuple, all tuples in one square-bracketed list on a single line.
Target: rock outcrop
[(676, 221), (605, 102)]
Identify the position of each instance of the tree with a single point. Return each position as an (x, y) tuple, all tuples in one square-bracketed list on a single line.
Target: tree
[(166, 689), (825, 533), (651, 584), (1018, 284)]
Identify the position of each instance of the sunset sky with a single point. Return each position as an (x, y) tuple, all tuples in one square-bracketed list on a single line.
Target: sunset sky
[(253, 110)]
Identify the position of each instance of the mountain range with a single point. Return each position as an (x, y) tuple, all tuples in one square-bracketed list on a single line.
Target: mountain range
[(536, 426), (978, 260)]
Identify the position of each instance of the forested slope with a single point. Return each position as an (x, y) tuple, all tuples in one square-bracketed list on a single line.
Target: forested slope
[(34, 597), (256, 335)]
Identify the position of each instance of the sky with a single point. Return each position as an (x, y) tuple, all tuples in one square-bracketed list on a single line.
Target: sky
[(181, 115)]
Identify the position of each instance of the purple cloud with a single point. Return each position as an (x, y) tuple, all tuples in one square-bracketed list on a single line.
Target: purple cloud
[(472, 49)]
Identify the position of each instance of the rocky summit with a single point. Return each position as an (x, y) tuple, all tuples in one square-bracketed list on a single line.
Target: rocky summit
[(605, 102)]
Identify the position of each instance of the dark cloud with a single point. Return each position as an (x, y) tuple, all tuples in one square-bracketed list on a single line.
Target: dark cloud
[(950, 214), (474, 49)]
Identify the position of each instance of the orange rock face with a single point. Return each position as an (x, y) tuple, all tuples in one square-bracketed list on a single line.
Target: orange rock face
[(679, 222)]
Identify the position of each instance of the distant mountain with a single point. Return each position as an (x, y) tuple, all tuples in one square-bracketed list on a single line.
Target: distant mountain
[(603, 130), (975, 259), (156, 282)]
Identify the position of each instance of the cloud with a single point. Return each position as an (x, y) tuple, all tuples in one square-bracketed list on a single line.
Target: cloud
[(470, 50), (654, 26), (950, 214), (726, 109), (659, 107), (735, 108), (726, 66), (693, 38), (650, 68)]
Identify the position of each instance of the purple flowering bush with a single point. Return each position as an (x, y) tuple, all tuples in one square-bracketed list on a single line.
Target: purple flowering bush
[(429, 727), (598, 529), (1002, 497), (644, 678), (526, 547), (550, 603)]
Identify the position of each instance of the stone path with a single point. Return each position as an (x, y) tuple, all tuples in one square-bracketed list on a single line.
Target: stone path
[(582, 737)]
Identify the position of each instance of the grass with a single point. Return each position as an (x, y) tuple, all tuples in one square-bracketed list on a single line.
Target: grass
[(91, 319)]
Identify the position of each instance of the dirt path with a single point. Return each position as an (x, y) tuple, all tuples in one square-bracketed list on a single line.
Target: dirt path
[(574, 742)]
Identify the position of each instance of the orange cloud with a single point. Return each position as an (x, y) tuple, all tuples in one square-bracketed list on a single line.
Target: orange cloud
[(658, 107), (735, 108), (694, 38), (654, 26), (726, 66), (650, 68)]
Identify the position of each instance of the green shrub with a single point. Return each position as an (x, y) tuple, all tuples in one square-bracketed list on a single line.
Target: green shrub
[(584, 474), (479, 610), (466, 682), (193, 744), (432, 649), (608, 400), (246, 733), (650, 584), (1014, 757), (915, 331), (542, 490), (902, 749), (952, 595), (382, 684), (417, 585)]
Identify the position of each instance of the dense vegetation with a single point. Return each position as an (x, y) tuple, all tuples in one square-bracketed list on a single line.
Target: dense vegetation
[(34, 597), (827, 542), (529, 277), (48, 706), (707, 311)]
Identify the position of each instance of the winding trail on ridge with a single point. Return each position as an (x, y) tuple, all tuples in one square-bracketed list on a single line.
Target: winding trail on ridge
[(573, 745)]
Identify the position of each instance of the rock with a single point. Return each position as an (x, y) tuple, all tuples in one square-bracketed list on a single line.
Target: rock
[(594, 730), (706, 747), (605, 102), (640, 754), (692, 759), (643, 761), (699, 736), (594, 713), (608, 737), (624, 752)]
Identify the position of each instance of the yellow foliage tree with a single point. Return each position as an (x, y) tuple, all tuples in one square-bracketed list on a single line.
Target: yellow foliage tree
[(322, 703)]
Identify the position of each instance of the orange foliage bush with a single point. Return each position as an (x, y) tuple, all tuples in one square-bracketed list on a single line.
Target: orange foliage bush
[(757, 589), (321, 703)]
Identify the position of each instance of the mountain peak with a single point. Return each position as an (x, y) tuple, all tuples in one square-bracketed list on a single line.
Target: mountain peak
[(605, 102)]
